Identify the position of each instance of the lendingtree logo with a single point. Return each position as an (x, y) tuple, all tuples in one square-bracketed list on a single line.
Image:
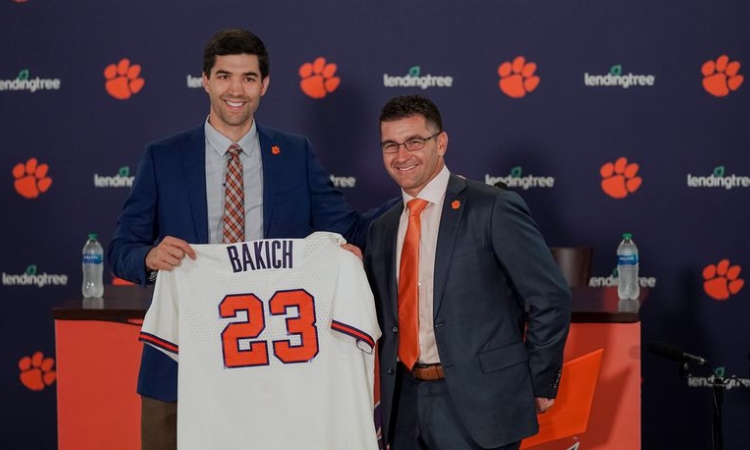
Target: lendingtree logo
[(343, 181), (32, 277), (718, 179), (516, 179), (122, 179), (194, 82), (414, 78), (718, 379), (615, 77), (24, 82), (611, 281)]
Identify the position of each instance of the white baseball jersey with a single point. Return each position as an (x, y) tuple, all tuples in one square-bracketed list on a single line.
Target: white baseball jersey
[(274, 340)]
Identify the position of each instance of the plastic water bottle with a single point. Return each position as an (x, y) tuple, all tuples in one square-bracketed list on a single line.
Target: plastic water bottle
[(627, 269), (93, 268)]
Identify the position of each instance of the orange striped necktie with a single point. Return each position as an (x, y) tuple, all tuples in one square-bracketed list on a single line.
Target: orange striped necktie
[(234, 198), (408, 290)]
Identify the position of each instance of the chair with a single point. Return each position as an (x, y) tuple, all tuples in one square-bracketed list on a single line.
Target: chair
[(574, 262)]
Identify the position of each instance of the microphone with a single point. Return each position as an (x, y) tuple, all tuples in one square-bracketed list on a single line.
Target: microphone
[(674, 353)]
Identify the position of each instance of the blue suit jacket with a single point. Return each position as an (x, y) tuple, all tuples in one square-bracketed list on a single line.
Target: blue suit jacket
[(493, 275), (168, 198)]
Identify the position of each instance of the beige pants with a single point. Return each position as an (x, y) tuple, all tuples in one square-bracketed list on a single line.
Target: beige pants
[(158, 424)]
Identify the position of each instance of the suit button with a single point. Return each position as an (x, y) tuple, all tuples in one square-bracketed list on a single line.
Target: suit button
[(395, 329), (390, 371)]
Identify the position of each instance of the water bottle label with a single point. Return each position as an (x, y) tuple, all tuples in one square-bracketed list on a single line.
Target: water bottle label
[(627, 260), (90, 258)]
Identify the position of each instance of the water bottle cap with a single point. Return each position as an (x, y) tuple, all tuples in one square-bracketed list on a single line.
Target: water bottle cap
[(92, 236), (627, 235)]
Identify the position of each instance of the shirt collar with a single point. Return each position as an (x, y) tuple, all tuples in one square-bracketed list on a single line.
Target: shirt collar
[(434, 191), (220, 143)]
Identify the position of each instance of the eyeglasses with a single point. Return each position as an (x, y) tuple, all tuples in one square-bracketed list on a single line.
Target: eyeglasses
[(413, 144)]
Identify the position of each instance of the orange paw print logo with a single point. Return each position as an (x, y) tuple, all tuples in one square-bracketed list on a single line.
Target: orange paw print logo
[(722, 280), (318, 78), (619, 178), (31, 178), (517, 78), (721, 76), (36, 371), (123, 79)]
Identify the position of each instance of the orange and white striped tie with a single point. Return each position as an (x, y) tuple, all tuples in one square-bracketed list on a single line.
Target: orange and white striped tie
[(234, 198), (408, 290)]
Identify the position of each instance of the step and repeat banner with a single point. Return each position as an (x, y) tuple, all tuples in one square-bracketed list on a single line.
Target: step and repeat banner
[(606, 117)]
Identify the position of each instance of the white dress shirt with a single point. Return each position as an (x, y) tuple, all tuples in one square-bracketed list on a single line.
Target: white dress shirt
[(252, 177), (434, 193)]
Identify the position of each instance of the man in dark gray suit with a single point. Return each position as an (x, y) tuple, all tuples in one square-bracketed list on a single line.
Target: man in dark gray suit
[(493, 308)]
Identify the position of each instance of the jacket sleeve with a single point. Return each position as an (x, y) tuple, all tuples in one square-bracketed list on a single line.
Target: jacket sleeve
[(135, 233), (540, 284)]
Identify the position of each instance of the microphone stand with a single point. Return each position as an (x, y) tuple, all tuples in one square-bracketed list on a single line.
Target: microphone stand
[(717, 436), (717, 386)]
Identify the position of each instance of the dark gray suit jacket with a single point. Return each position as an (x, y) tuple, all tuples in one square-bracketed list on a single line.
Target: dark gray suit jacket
[(494, 274)]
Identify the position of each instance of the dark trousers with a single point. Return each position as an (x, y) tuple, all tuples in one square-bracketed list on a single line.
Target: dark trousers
[(158, 424), (424, 418)]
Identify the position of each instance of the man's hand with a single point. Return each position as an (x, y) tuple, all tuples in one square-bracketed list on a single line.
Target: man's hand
[(168, 254), (543, 404), (353, 248)]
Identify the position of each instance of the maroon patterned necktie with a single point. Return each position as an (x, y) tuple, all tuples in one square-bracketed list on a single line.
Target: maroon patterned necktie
[(234, 198)]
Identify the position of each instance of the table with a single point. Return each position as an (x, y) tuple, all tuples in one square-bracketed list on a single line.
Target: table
[(98, 355)]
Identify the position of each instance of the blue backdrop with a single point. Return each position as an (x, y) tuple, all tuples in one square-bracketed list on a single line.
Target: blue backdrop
[(640, 80)]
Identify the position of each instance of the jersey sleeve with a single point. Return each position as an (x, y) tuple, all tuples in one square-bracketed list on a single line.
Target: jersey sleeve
[(353, 303), (161, 324)]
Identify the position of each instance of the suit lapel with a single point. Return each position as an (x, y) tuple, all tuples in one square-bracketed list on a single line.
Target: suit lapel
[(194, 168), (453, 210), (272, 164)]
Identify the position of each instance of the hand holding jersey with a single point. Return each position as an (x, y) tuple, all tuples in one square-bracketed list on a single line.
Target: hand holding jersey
[(168, 254)]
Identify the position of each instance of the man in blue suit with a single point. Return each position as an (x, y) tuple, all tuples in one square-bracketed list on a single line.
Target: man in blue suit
[(177, 198), (482, 352)]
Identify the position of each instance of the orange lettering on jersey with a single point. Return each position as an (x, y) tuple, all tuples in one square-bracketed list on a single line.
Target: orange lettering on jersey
[(257, 353), (303, 325)]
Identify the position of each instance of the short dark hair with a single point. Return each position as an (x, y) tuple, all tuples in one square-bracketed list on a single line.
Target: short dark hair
[(412, 105), (235, 42)]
